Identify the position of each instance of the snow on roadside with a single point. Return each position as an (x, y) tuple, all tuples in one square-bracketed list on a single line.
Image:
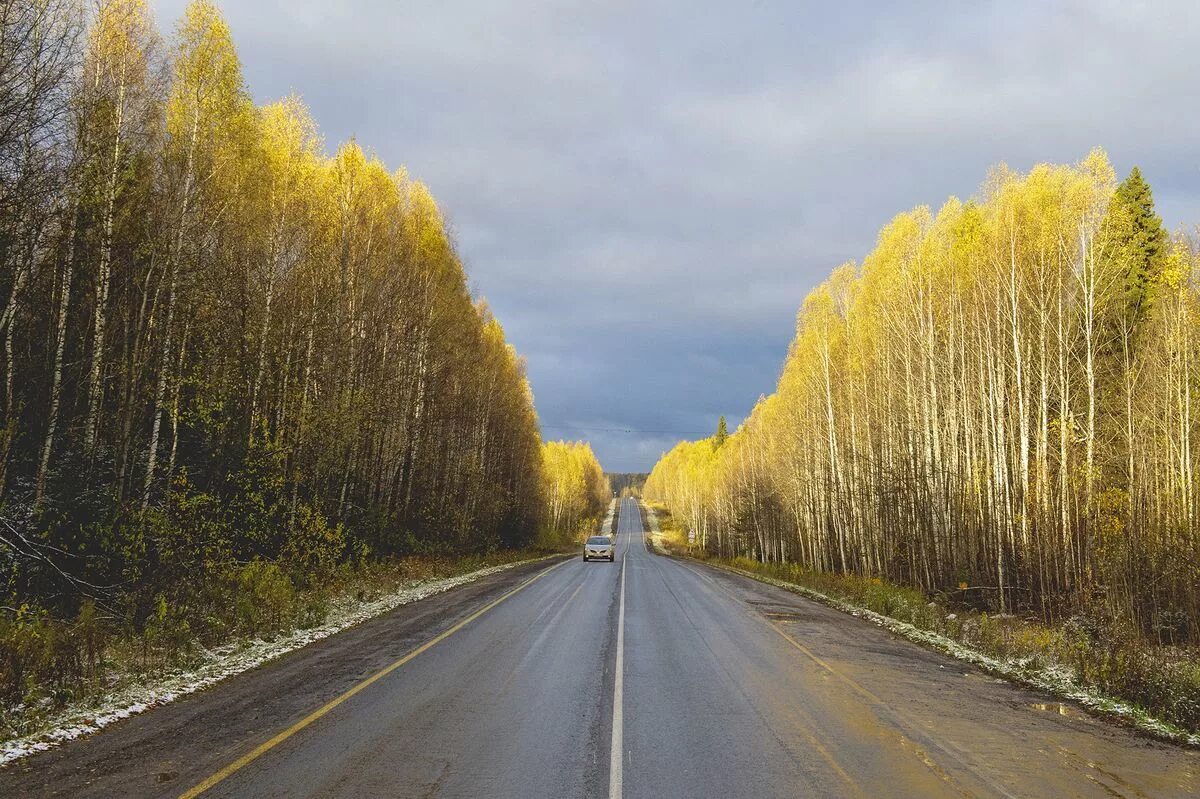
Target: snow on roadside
[(222, 662), (1055, 679)]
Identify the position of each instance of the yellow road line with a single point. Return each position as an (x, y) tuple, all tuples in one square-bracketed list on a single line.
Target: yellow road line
[(265, 747)]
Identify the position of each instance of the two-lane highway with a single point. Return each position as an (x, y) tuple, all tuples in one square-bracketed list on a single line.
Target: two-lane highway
[(647, 677)]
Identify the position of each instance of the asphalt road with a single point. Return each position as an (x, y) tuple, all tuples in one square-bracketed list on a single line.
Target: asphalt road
[(648, 677)]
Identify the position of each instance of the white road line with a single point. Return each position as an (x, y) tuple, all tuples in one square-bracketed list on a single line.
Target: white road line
[(617, 759)]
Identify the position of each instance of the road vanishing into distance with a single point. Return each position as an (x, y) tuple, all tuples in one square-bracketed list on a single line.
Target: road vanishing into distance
[(647, 677)]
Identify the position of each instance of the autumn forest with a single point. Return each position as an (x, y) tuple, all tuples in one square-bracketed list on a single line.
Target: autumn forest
[(232, 359), (997, 401)]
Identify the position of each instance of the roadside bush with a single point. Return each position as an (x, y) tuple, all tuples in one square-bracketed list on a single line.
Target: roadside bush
[(42, 656), (23, 653), (313, 548), (166, 637), (264, 598)]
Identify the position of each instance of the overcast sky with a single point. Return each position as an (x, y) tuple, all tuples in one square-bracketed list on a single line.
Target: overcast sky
[(645, 191)]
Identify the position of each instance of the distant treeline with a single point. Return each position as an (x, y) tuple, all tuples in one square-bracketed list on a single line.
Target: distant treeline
[(1002, 396), (631, 482), (218, 343)]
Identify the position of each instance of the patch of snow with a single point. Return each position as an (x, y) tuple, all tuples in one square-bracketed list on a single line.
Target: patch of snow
[(225, 661), (1054, 678)]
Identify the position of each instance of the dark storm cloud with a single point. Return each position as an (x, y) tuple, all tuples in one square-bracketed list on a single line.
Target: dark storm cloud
[(646, 191)]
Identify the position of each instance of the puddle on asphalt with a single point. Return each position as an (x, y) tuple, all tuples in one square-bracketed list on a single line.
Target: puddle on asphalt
[(784, 616), (1060, 709), (777, 612)]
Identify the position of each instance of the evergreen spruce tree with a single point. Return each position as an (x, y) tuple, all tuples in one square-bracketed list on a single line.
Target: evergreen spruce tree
[(1139, 244)]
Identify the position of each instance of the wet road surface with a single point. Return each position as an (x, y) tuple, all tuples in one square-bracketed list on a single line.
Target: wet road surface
[(647, 677)]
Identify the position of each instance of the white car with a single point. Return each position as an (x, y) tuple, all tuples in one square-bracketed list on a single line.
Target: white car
[(600, 547)]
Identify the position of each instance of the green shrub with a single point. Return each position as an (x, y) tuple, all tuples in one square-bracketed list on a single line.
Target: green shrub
[(24, 653), (40, 655), (313, 548), (264, 598), (166, 637)]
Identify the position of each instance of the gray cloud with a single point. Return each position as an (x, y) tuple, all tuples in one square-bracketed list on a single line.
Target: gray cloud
[(646, 191)]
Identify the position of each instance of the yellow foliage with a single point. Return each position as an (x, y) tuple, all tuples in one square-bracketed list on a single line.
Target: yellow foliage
[(577, 491), (973, 401)]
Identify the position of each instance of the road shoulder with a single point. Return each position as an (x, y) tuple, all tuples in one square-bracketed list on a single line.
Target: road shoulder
[(1051, 684)]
